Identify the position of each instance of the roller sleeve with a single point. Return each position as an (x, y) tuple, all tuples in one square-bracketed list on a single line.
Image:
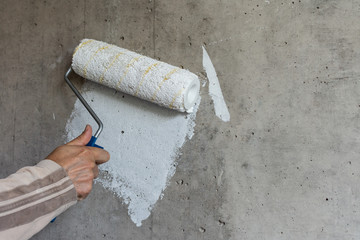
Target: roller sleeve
[(137, 75)]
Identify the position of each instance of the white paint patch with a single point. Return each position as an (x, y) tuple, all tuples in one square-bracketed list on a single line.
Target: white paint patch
[(143, 139), (54, 116), (221, 110)]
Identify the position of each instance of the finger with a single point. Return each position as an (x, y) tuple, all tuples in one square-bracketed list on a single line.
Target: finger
[(100, 155), (96, 171), (84, 189), (83, 138)]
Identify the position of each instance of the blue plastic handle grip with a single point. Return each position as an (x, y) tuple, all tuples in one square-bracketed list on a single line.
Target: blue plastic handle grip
[(91, 143)]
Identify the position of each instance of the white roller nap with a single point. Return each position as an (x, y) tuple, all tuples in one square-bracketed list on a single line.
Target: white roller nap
[(137, 75)]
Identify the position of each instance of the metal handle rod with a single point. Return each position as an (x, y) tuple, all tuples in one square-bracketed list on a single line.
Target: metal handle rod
[(86, 105)]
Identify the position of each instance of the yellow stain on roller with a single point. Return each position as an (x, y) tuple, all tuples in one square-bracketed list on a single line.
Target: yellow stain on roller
[(174, 98), (131, 63), (167, 77), (92, 57), (81, 45), (143, 77), (110, 65)]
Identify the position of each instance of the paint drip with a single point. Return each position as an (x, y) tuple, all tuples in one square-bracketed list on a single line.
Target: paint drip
[(143, 140)]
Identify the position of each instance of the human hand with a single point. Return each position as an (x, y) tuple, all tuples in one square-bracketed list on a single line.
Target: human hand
[(80, 162)]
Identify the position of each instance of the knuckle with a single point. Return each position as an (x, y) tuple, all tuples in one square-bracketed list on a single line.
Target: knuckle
[(85, 151), (86, 154), (92, 164), (89, 166), (107, 155)]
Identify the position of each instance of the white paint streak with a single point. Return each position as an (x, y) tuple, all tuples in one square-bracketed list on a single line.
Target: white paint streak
[(221, 110), (203, 83), (143, 140), (219, 41), (54, 116)]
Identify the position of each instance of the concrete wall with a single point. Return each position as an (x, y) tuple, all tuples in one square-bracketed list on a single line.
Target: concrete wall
[(286, 165)]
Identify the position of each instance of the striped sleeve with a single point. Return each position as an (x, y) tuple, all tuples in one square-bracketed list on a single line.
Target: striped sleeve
[(32, 197)]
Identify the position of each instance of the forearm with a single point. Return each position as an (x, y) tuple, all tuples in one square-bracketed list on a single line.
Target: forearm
[(32, 197)]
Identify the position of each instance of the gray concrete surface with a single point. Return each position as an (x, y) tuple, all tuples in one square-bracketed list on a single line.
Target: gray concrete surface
[(286, 166)]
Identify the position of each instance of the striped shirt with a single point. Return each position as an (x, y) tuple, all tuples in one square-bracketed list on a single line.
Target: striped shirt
[(32, 197)]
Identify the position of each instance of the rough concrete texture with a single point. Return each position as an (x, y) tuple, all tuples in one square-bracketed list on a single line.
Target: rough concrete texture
[(286, 165)]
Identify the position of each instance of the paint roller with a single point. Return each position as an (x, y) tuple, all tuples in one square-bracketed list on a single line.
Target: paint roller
[(134, 74)]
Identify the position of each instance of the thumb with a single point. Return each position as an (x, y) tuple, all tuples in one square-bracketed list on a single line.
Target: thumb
[(83, 138)]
